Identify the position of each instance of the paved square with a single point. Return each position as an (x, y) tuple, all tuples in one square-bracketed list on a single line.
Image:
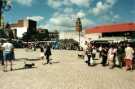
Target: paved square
[(67, 71)]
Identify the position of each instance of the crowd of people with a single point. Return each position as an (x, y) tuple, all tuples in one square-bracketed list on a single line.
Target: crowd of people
[(7, 55), (112, 55), (45, 51)]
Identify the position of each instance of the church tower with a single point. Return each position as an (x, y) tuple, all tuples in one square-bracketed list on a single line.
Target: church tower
[(78, 25)]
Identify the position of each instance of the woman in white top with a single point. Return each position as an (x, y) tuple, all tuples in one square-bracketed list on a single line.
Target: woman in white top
[(110, 56), (129, 57), (84, 51)]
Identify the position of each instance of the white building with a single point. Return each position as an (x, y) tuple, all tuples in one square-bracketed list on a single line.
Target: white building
[(92, 36), (111, 32), (23, 26), (72, 35)]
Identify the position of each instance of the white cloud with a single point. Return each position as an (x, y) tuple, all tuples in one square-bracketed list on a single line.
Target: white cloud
[(52, 27), (110, 1), (85, 3), (68, 10), (111, 17), (47, 26), (103, 7), (67, 3), (99, 8), (81, 14), (25, 2), (105, 18), (116, 16), (62, 22), (36, 18), (55, 3), (87, 22), (132, 12), (58, 3)]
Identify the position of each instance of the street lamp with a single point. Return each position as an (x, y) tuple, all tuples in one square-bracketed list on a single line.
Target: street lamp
[(5, 5)]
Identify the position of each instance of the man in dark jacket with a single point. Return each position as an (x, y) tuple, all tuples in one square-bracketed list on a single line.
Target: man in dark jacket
[(1, 55), (120, 54), (104, 56), (48, 53), (89, 53)]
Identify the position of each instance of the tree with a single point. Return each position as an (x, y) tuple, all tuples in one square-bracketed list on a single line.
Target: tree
[(8, 31), (2, 34), (68, 44)]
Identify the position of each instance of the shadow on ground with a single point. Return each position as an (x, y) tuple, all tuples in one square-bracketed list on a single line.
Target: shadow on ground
[(51, 63), (26, 59), (23, 68)]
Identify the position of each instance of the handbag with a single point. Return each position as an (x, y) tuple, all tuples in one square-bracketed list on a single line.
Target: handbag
[(85, 58), (116, 61), (91, 61)]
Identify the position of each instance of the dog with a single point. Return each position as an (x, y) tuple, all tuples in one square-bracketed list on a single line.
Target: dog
[(30, 65), (80, 56)]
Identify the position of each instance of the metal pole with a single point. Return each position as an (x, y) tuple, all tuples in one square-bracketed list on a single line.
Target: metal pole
[(79, 39)]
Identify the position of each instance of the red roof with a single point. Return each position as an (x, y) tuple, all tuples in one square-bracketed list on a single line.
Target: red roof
[(121, 27)]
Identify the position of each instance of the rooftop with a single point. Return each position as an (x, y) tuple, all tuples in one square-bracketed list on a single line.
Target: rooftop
[(119, 27)]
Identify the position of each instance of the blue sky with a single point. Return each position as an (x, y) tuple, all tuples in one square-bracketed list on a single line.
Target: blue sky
[(61, 14)]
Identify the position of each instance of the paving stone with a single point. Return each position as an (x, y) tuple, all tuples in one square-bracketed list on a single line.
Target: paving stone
[(67, 71)]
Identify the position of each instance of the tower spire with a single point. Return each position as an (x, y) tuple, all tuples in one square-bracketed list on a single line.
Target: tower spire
[(78, 25)]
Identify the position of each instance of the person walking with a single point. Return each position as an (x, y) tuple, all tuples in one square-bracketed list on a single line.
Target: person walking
[(48, 53), (111, 56), (7, 54), (120, 54), (104, 56), (89, 54), (1, 55), (84, 51), (94, 51), (129, 57), (41, 47)]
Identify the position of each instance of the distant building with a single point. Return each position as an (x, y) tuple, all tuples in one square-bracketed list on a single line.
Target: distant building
[(42, 34), (77, 34), (78, 25), (50, 36), (23, 26), (53, 36), (40, 30), (111, 32), (71, 35)]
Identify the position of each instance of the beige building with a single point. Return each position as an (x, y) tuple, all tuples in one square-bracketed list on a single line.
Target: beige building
[(23, 26), (72, 35), (92, 36)]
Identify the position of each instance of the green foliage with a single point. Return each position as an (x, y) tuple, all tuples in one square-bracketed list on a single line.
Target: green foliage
[(69, 44), (2, 34)]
